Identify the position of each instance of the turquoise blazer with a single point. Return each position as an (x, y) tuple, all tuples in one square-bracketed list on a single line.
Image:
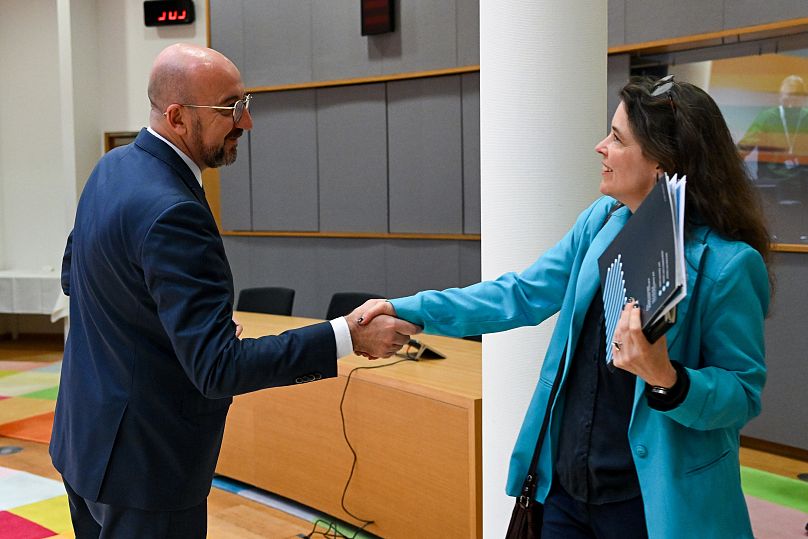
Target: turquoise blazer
[(686, 458)]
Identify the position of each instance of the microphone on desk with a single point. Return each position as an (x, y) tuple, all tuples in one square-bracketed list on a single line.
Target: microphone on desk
[(416, 350)]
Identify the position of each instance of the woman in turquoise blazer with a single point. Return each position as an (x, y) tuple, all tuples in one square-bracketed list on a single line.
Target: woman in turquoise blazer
[(683, 445)]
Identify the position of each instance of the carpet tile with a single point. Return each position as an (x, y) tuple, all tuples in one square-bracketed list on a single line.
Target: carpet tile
[(22, 488), (19, 366), (46, 394), (51, 513), (22, 383), (15, 527), (18, 408), (34, 429)]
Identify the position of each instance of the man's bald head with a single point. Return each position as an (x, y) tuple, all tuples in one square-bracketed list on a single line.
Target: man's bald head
[(181, 68), (193, 92)]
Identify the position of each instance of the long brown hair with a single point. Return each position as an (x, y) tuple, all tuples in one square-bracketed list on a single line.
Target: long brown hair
[(683, 130)]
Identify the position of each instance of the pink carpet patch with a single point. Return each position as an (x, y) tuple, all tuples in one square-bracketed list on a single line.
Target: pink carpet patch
[(771, 521), (14, 527)]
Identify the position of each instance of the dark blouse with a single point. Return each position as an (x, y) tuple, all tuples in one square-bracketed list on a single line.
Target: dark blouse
[(594, 463)]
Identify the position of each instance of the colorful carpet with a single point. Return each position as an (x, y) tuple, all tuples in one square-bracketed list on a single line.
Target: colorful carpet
[(33, 507), (27, 399)]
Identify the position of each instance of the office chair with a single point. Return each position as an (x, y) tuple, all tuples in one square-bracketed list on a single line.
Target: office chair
[(267, 300), (343, 303)]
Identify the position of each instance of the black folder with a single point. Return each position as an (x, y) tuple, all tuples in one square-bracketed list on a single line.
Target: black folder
[(646, 261)]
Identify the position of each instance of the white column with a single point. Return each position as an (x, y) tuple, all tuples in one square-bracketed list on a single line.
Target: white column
[(542, 110), (68, 145)]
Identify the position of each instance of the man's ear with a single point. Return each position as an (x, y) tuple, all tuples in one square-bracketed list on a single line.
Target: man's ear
[(175, 119)]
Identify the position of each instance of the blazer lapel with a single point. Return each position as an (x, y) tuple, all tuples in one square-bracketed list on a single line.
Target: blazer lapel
[(162, 151), (589, 276), (694, 255)]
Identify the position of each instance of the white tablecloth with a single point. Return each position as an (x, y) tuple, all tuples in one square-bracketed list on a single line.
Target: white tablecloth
[(32, 292)]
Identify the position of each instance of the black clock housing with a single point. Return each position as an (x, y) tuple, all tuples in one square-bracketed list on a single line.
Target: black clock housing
[(168, 12)]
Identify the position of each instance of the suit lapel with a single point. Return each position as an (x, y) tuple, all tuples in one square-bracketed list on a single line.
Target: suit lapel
[(162, 151)]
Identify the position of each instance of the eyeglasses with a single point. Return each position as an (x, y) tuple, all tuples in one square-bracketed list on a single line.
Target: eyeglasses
[(664, 86), (238, 108)]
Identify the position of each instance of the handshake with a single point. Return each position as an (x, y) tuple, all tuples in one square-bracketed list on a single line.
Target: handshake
[(376, 332)]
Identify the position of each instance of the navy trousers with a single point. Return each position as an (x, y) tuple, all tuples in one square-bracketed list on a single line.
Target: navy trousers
[(94, 520), (568, 518)]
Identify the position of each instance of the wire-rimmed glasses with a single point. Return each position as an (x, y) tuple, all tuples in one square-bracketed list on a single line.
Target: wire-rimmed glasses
[(238, 107)]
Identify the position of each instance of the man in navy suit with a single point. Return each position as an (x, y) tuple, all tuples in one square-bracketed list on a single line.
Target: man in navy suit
[(152, 359)]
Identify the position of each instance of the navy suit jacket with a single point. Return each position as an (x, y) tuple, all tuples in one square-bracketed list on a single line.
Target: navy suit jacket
[(151, 360)]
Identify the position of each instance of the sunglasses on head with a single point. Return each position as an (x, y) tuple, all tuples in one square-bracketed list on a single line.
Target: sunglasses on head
[(663, 87)]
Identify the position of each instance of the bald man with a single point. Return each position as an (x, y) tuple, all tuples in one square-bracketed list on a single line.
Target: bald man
[(152, 359)]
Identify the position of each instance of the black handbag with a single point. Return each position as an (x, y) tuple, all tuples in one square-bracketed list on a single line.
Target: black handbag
[(527, 514)]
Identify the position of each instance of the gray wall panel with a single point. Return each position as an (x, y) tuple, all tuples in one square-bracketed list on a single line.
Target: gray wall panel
[(278, 46), (343, 267), (650, 21), (352, 135), (415, 265), (339, 49), (468, 32), (289, 262), (470, 263), (227, 29), (425, 158), (785, 399), (471, 153), (617, 22), (284, 161), (318, 267), (617, 74), (238, 255), (235, 189), (277, 41), (750, 12), (425, 37)]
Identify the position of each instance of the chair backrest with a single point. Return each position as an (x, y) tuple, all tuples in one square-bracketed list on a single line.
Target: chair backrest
[(343, 303), (267, 300)]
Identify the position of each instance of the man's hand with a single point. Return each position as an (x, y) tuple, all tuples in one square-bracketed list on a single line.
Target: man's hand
[(239, 327), (381, 337)]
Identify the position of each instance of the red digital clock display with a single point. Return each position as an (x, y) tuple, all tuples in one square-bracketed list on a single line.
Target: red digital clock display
[(168, 12)]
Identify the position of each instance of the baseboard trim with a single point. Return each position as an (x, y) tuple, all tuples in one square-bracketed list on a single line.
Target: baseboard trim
[(775, 448), (49, 338)]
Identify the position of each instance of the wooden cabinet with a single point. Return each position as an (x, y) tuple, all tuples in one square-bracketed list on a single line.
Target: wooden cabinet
[(415, 427)]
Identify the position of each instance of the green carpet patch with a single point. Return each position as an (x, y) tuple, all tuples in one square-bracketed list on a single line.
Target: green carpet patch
[(775, 488)]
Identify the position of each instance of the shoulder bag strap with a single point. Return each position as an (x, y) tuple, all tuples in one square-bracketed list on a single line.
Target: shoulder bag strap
[(529, 486)]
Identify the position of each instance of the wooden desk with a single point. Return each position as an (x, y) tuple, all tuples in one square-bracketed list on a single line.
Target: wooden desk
[(415, 426)]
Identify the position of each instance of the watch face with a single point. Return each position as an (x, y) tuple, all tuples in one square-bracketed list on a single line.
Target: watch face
[(168, 12)]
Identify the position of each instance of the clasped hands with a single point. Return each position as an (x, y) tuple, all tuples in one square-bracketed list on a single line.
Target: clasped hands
[(376, 332)]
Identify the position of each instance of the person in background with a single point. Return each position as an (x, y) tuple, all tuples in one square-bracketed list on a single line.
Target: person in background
[(776, 144), (152, 358), (782, 130), (651, 449)]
